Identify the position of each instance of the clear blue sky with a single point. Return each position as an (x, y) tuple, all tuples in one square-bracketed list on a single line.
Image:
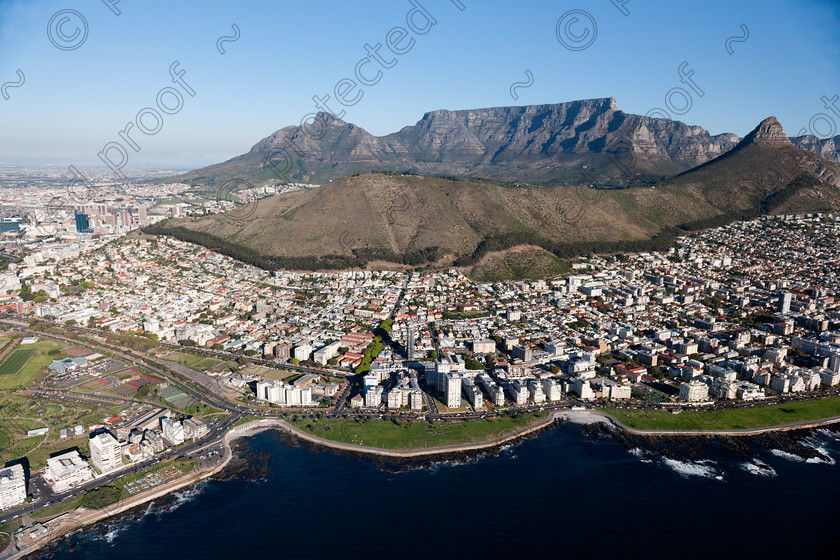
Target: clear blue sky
[(74, 102)]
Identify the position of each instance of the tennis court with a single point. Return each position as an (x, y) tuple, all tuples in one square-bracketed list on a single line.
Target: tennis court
[(76, 353), (95, 384)]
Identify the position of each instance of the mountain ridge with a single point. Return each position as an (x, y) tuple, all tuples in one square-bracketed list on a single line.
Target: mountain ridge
[(413, 220), (577, 142)]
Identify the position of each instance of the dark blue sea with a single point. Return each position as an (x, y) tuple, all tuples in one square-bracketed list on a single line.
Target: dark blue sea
[(568, 493)]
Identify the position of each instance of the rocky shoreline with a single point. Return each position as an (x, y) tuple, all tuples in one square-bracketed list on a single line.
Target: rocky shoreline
[(699, 446), (392, 463), (242, 462)]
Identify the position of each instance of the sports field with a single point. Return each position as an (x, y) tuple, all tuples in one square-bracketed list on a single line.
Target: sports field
[(15, 361)]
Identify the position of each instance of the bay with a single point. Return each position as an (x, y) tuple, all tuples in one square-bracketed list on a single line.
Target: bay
[(562, 494)]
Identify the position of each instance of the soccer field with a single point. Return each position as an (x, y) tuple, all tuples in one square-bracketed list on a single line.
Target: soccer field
[(15, 361)]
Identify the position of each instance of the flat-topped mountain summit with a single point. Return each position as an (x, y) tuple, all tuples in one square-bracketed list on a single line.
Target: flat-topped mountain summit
[(579, 142), (381, 218)]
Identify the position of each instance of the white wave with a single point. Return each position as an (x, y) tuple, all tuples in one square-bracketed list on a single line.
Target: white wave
[(185, 496), (113, 531), (788, 456), (759, 468), (829, 434), (825, 458), (639, 454), (688, 469), (146, 511)]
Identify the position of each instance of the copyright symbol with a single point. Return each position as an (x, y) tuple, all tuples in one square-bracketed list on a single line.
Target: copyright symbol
[(67, 30), (226, 193), (576, 30)]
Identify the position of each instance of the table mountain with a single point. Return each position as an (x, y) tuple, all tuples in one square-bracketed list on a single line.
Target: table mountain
[(380, 218), (581, 142)]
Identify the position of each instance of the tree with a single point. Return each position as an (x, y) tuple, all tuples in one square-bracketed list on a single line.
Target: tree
[(473, 364)]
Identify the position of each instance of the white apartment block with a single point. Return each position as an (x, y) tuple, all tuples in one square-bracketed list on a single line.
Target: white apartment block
[(452, 390), (472, 393), (12, 486), (105, 452), (325, 354), (517, 393), (303, 352), (583, 389), (536, 392), (617, 392), (495, 394), (67, 471), (373, 397), (277, 392), (416, 400), (173, 431), (552, 389), (829, 378), (694, 391)]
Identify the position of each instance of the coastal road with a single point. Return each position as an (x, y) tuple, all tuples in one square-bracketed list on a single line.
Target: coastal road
[(48, 498)]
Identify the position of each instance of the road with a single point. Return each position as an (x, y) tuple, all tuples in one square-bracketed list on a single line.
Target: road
[(45, 497)]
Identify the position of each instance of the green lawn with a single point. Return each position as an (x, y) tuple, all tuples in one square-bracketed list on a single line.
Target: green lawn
[(6, 439), (57, 509), (34, 367), (443, 409), (413, 435), (205, 364), (23, 447), (200, 409), (15, 360), (98, 498), (185, 359), (38, 457), (25, 413), (245, 420), (740, 419)]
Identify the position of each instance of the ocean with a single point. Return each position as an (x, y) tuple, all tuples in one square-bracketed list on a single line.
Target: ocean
[(571, 492)]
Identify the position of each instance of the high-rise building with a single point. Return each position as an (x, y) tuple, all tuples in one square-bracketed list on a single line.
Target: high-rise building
[(105, 452), (373, 398), (12, 486), (784, 302), (452, 390), (409, 344), (694, 391), (82, 222), (281, 351), (834, 363)]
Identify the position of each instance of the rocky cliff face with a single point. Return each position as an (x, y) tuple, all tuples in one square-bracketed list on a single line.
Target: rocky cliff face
[(531, 144), (589, 141), (829, 148)]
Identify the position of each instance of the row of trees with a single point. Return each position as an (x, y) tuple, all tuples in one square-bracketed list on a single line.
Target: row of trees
[(359, 259)]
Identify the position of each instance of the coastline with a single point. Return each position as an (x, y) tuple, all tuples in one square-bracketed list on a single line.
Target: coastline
[(76, 519), (688, 431), (261, 425)]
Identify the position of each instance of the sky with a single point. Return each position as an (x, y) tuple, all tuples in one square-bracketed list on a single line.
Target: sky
[(94, 68)]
